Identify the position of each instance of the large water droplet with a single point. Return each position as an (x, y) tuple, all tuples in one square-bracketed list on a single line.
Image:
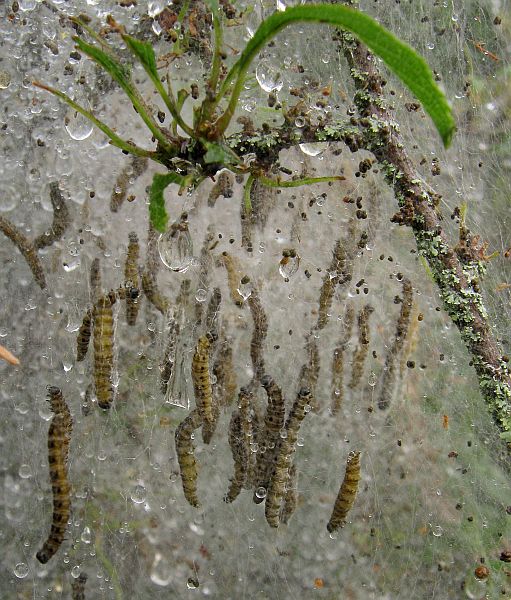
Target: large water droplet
[(175, 247), (86, 536), (78, 126), (245, 287), (25, 471), (138, 495), (161, 571), (21, 570), (268, 76), (289, 263), (314, 149)]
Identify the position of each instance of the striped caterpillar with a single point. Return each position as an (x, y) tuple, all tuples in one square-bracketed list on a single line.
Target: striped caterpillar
[(132, 171), (103, 349), (58, 448), (335, 274), (95, 280), (338, 361), (61, 219), (223, 370), (273, 423), (84, 333), (186, 457), (78, 587), (347, 493), (223, 187), (284, 456), (360, 353), (309, 372), (233, 277), (131, 277), (26, 248), (403, 324), (258, 335), (290, 501), (201, 378)]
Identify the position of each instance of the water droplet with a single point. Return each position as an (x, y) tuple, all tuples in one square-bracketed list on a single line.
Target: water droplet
[(75, 571), (372, 379), (260, 492), (27, 5), (86, 536), (268, 76), (201, 295), (314, 149), (161, 571), (249, 105), (3, 332), (78, 126), (67, 366), (192, 583), (5, 80), (25, 471), (71, 265), (138, 495), (245, 287), (299, 122), (289, 263), (176, 248), (437, 531), (155, 7), (21, 570)]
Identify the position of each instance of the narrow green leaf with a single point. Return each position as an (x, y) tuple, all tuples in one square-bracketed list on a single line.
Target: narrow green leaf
[(157, 212), (218, 153), (117, 71), (144, 52), (411, 68)]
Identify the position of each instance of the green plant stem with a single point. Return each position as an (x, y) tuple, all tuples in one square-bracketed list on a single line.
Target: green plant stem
[(297, 182), (115, 140), (217, 58)]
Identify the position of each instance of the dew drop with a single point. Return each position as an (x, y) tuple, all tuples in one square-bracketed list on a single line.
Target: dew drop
[(314, 149), (161, 571), (176, 248), (25, 471), (75, 571), (245, 288), (260, 492), (21, 570), (268, 76), (138, 495), (201, 295), (78, 126), (437, 531), (192, 583), (86, 536), (289, 263)]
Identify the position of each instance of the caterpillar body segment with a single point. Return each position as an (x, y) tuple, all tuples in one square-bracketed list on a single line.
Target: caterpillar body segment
[(338, 361), (201, 379), (153, 294), (362, 349), (78, 587), (273, 423), (233, 277), (336, 273), (84, 333), (131, 277), (95, 280), (347, 493), (103, 349), (58, 449), (61, 219), (290, 501), (240, 456), (284, 457), (26, 248), (186, 457), (259, 334), (223, 369)]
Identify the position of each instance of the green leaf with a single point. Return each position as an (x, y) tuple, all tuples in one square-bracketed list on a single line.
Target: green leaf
[(218, 153), (144, 52), (157, 212), (411, 68), (117, 71)]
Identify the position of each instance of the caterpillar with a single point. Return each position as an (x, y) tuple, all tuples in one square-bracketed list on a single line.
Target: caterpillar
[(169, 357), (290, 500), (403, 324), (61, 219), (58, 446), (335, 274), (84, 333), (131, 277), (309, 372), (186, 457), (233, 277), (201, 379), (240, 436), (338, 361), (132, 171), (223, 370), (223, 187), (347, 493), (283, 458), (78, 587), (95, 280), (153, 294), (26, 248), (250, 430), (103, 349), (258, 334), (273, 423), (360, 353)]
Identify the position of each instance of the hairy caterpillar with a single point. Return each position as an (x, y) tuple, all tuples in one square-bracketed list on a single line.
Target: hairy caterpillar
[(134, 170), (84, 333), (403, 324), (284, 456), (131, 277), (233, 277), (58, 447), (338, 361), (186, 457), (95, 280), (153, 294), (290, 501), (360, 353), (103, 349), (347, 493), (273, 423), (258, 335), (223, 370), (201, 379), (335, 274), (78, 587), (61, 219), (26, 248), (223, 187), (309, 372)]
